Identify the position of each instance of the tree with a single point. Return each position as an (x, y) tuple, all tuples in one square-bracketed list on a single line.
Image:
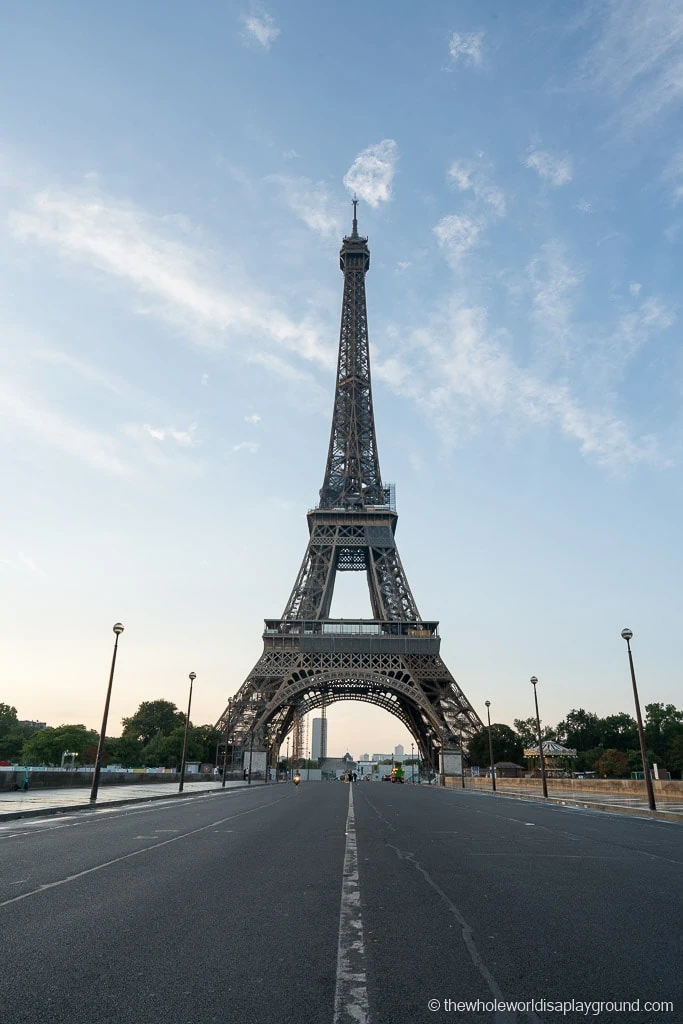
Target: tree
[(585, 759), (125, 750), (8, 719), (613, 764), (662, 724), (507, 745), (528, 733), (13, 735), (152, 717), (618, 732), (46, 746), (580, 730)]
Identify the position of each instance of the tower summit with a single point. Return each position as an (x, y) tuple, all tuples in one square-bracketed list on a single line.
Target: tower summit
[(310, 660), (352, 475)]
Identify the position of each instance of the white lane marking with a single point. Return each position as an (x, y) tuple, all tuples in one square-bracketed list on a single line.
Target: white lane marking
[(351, 993), (135, 853)]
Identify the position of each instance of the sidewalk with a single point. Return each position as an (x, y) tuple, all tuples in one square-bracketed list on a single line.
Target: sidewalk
[(667, 809), (53, 801)]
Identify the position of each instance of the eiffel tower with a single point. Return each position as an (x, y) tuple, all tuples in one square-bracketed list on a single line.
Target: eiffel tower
[(392, 660)]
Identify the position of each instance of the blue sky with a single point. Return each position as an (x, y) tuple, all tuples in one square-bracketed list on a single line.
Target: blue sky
[(175, 181)]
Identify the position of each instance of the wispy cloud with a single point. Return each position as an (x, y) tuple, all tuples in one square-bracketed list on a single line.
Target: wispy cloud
[(456, 235), (153, 256), (253, 418), (371, 174), (184, 438), (467, 176), (311, 202), (478, 379), (262, 28), (553, 283), (247, 446), (550, 167), (466, 48), (636, 59)]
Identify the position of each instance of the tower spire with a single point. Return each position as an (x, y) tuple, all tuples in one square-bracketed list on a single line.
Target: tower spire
[(352, 475)]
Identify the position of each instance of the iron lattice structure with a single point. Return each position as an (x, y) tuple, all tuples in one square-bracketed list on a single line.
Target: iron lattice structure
[(309, 660)]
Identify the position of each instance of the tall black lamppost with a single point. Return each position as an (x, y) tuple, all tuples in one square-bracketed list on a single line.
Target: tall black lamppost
[(462, 762), (442, 773), (287, 768), (533, 681), (193, 676), (227, 737), (493, 770), (251, 754), (118, 630), (627, 635), (412, 763)]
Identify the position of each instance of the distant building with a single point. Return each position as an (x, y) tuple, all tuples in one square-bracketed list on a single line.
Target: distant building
[(398, 752), (34, 725), (319, 739)]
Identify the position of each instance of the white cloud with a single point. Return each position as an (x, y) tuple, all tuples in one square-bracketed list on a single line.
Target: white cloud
[(583, 206), (151, 255), (311, 202), (637, 59), (262, 28), (456, 235), (478, 378), (183, 438), (247, 446), (466, 49), (468, 177), (291, 154), (555, 169), (371, 174), (553, 282), (254, 418), (634, 287), (205, 379)]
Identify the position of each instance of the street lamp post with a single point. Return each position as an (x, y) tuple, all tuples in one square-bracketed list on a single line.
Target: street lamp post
[(308, 769), (462, 763), (412, 763), (287, 768), (193, 676), (118, 630), (533, 682), (627, 635), (251, 754), (493, 770), (227, 737), (442, 773)]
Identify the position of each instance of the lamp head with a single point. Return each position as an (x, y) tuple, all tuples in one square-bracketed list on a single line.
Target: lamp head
[(487, 703), (627, 633), (118, 628), (533, 680), (193, 676)]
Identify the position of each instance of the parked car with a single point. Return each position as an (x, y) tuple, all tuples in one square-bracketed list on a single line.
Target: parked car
[(386, 778)]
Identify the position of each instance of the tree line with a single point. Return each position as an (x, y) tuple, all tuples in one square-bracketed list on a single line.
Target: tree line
[(151, 738), (607, 745)]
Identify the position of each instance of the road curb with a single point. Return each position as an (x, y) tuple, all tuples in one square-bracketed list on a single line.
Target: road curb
[(46, 811), (640, 812)]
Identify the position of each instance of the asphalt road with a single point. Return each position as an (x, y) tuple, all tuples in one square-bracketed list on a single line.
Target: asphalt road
[(231, 908)]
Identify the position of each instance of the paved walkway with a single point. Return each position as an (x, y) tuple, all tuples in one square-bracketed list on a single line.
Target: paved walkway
[(49, 800), (596, 799)]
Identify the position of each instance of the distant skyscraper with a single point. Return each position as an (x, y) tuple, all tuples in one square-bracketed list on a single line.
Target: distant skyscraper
[(319, 739), (398, 752)]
